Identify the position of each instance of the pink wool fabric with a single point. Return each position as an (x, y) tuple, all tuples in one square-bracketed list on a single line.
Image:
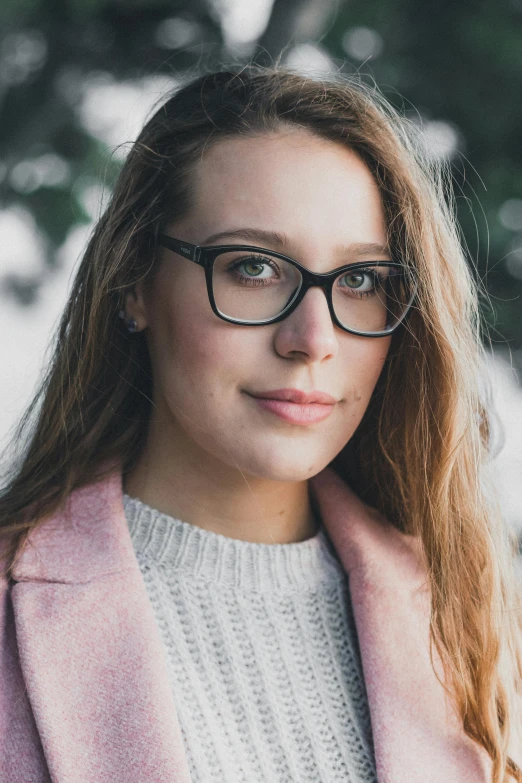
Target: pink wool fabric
[(85, 694)]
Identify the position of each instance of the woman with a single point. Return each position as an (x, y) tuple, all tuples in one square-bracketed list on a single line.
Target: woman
[(191, 593)]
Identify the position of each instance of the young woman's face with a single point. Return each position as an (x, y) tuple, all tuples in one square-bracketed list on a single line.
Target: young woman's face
[(322, 197)]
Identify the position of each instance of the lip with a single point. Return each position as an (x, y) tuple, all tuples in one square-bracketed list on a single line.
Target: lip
[(297, 396), (295, 406)]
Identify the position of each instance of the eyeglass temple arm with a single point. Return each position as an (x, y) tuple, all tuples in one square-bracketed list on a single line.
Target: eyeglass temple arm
[(192, 252)]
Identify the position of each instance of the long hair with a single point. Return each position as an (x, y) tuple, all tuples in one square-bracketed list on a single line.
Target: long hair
[(421, 450)]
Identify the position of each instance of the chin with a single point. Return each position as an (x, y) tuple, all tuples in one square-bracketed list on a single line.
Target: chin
[(283, 464), (292, 474)]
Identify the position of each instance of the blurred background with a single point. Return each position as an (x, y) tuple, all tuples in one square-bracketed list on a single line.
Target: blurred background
[(78, 78)]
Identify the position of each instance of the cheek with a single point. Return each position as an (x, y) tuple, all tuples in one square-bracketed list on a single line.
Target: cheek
[(180, 338), (364, 360), (197, 354)]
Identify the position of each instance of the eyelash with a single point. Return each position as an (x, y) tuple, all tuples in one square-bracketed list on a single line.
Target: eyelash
[(256, 259), (377, 279)]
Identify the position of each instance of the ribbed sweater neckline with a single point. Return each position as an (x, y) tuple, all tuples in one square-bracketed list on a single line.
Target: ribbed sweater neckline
[(193, 552)]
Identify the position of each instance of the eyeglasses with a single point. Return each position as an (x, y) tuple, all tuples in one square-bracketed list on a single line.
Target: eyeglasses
[(253, 286)]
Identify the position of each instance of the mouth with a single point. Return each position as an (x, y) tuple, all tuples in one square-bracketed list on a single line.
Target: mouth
[(295, 406)]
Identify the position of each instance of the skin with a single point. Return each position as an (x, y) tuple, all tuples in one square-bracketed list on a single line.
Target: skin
[(213, 457)]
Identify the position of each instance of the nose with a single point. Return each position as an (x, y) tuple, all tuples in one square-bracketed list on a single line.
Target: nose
[(309, 331)]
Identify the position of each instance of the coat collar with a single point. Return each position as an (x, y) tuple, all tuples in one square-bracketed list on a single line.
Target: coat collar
[(95, 667), (85, 541)]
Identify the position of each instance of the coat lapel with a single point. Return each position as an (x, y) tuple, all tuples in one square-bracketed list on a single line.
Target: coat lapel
[(97, 677), (90, 651), (417, 736)]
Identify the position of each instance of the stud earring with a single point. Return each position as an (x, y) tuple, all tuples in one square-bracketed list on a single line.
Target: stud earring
[(130, 323)]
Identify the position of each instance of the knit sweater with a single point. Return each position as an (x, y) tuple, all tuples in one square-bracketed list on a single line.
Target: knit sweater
[(262, 651)]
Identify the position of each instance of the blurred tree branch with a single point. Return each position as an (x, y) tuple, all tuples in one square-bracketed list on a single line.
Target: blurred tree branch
[(293, 22)]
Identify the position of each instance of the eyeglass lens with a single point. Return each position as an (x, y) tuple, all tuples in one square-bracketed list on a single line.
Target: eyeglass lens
[(253, 287)]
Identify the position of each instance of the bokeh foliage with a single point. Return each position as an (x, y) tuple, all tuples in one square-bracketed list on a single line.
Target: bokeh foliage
[(459, 62)]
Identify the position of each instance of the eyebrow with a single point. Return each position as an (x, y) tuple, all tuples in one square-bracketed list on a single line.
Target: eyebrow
[(276, 239)]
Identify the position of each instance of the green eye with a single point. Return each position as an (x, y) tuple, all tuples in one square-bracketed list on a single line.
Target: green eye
[(354, 280), (360, 280), (253, 268)]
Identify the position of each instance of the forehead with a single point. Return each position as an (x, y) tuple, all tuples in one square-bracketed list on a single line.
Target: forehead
[(291, 182)]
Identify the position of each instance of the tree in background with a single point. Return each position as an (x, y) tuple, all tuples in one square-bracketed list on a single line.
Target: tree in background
[(457, 66)]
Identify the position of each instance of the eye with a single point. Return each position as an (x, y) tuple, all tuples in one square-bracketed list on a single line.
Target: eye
[(254, 267), (360, 280), (254, 270)]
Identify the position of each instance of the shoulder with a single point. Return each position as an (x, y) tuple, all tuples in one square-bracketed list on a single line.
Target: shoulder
[(86, 538)]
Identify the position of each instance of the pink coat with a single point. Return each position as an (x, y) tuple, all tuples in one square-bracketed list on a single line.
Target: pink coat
[(85, 695)]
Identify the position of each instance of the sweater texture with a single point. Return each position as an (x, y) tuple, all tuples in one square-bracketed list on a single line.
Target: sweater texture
[(262, 652)]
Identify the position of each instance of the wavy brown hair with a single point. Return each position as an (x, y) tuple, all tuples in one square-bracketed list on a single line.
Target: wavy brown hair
[(421, 450)]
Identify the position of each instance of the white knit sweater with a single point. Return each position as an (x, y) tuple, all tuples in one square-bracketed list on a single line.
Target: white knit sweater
[(263, 655)]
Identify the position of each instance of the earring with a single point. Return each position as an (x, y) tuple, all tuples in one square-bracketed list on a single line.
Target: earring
[(130, 323)]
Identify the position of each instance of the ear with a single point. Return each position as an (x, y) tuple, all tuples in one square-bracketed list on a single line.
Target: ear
[(135, 306)]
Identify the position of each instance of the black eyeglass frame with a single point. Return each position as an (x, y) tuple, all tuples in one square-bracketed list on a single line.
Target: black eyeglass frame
[(205, 255)]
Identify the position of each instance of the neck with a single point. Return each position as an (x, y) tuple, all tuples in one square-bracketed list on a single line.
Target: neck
[(175, 476)]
